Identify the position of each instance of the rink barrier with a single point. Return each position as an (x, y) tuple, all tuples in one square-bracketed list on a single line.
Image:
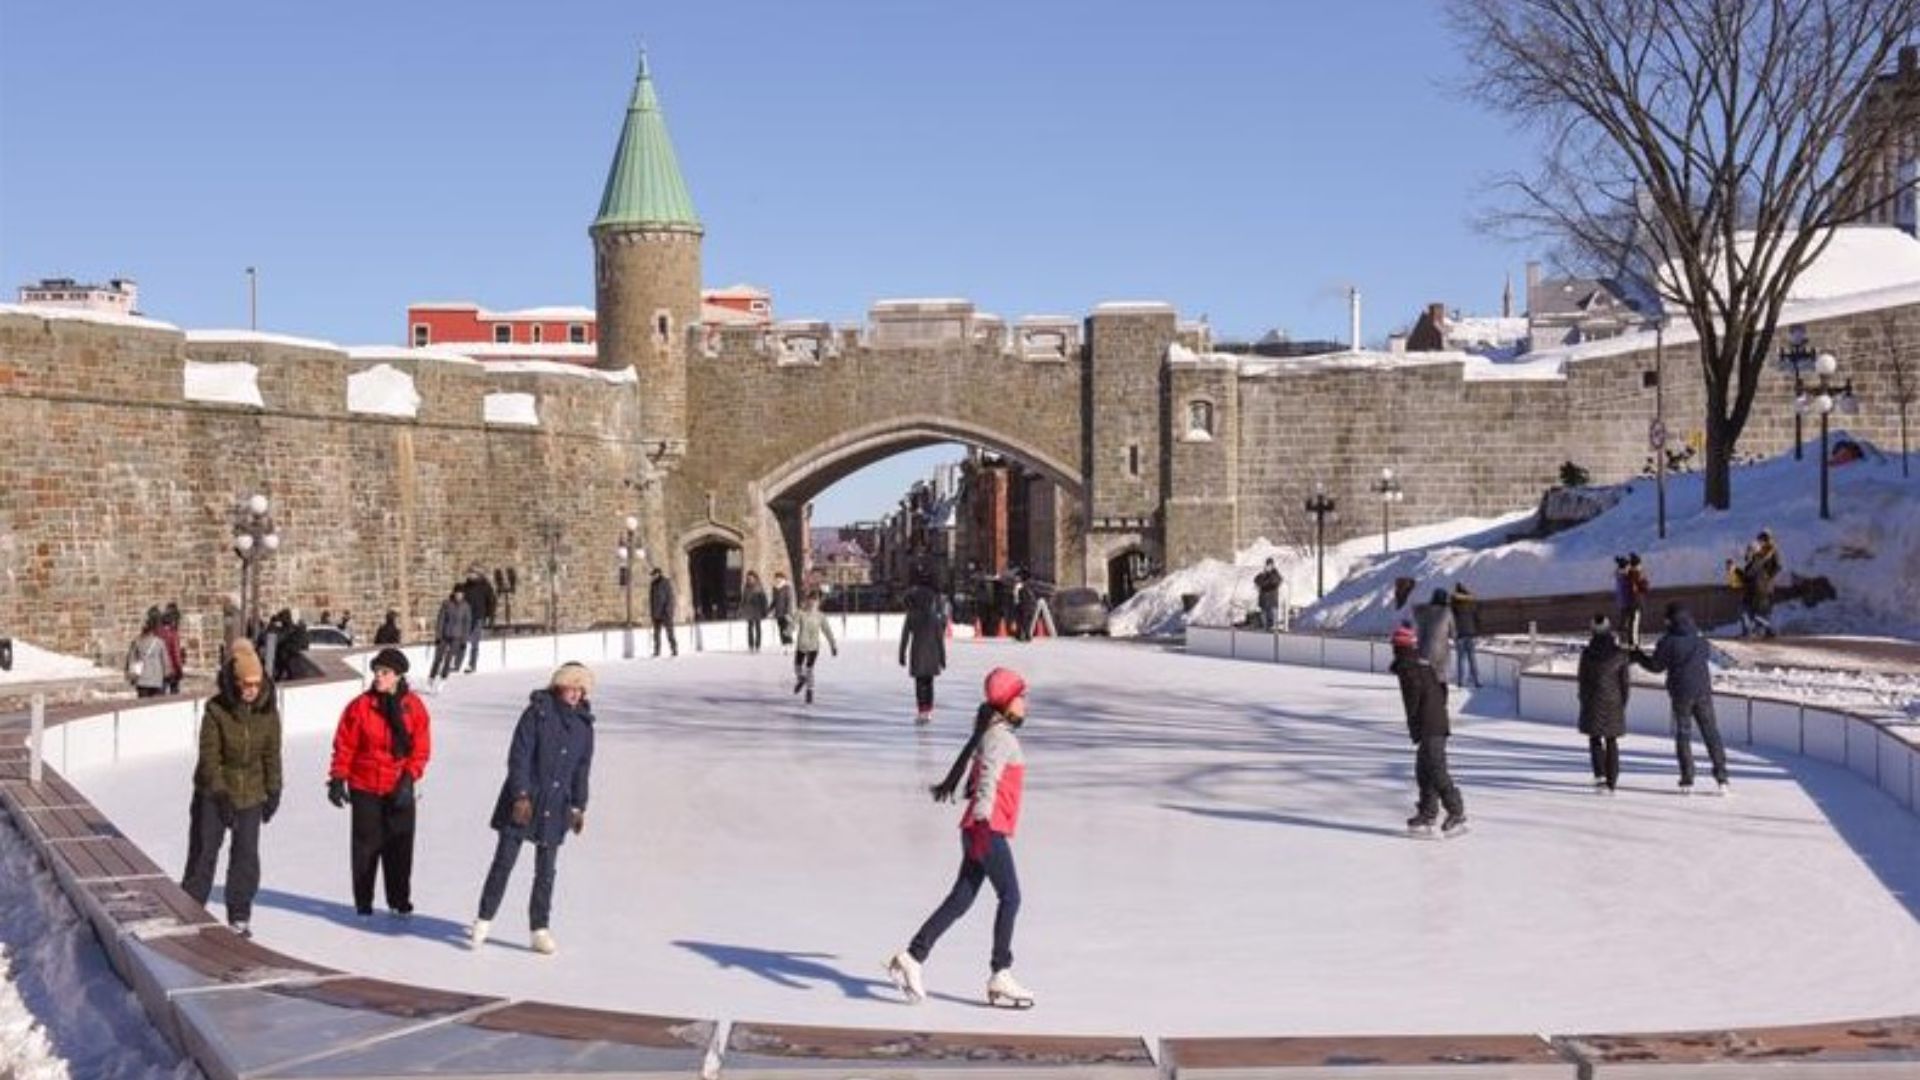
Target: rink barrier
[(240, 1009)]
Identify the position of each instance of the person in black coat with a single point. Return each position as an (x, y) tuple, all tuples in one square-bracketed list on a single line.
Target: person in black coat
[(660, 611), (543, 798), (1026, 605), (479, 594), (388, 633), (923, 645), (1425, 696), (1606, 677), (1683, 654), (1266, 586), (753, 608), (1466, 629)]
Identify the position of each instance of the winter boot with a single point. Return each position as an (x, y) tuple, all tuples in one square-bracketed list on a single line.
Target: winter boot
[(1455, 825), (1005, 992), (543, 942), (477, 934), (904, 970)]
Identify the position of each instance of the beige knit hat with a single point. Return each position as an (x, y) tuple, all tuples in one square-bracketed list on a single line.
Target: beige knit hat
[(246, 662), (572, 674)]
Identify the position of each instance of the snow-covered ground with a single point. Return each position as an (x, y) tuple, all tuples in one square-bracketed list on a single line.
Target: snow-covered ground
[(34, 664), (1208, 847)]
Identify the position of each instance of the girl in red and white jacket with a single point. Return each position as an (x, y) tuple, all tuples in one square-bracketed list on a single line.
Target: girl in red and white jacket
[(380, 751), (994, 786)]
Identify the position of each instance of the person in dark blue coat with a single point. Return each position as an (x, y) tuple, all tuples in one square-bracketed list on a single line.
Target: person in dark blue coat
[(544, 796), (1683, 656)]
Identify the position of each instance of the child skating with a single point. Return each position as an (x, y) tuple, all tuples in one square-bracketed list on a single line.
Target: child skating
[(1425, 697), (986, 850), (808, 628)]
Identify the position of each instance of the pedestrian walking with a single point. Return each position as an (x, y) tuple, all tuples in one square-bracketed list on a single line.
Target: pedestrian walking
[(1633, 599), (808, 628), (480, 598), (449, 637), (783, 606), (1606, 678), (1761, 566), (543, 798), (170, 637), (1026, 605), (660, 610), (388, 632), (1266, 584), (1465, 607), (147, 658), (1683, 654), (923, 644), (1433, 626), (236, 785), (753, 608), (1424, 694), (380, 752), (995, 769)]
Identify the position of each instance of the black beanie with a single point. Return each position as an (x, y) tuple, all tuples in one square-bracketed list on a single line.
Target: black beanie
[(392, 659)]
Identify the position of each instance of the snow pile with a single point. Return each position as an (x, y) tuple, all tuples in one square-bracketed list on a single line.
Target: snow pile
[(383, 390), (1870, 551), (34, 664), (1839, 689), (511, 408), (227, 384)]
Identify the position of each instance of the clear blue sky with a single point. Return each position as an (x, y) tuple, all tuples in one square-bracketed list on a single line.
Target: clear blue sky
[(1242, 159)]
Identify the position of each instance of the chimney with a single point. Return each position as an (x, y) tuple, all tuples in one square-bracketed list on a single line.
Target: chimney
[(1437, 315), (1506, 298), (1909, 59), (1353, 314)]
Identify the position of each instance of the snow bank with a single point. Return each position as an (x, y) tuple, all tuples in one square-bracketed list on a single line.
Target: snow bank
[(34, 664), (511, 408), (227, 384), (383, 390), (256, 337)]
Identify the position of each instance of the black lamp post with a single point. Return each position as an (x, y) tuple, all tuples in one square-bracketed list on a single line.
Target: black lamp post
[(1797, 358), (1390, 492), (1825, 396), (1322, 507), (628, 550), (254, 540)]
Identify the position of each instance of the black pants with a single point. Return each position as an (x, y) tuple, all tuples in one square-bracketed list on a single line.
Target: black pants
[(997, 868), (1430, 772), (1685, 714), (786, 628), (923, 692), (203, 856), (1604, 750), (803, 666), (149, 691), (546, 865), (753, 635), (446, 658), (672, 642), (382, 845), (1629, 627)]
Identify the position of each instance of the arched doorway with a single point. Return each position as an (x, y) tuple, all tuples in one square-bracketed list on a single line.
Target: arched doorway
[(714, 569), (1125, 572)]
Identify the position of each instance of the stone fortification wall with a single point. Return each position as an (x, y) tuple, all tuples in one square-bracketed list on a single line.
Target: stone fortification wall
[(116, 492)]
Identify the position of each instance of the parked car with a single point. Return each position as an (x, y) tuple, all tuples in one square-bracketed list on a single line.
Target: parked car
[(322, 636), (1079, 611)]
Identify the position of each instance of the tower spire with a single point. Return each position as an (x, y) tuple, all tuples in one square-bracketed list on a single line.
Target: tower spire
[(644, 185)]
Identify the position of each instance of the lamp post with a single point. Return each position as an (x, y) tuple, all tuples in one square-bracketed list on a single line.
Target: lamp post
[(1390, 492), (1322, 507), (628, 551), (550, 533), (1826, 394), (254, 539), (253, 299), (1797, 358)]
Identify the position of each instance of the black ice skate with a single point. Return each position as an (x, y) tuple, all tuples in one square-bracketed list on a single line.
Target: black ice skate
[(1455, 825), (1420, 825)]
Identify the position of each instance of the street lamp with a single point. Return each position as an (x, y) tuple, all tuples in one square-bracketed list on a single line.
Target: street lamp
[(254, 539), (628, 551), (1797, 358), (1390, 492), (1322, 507), (1825, 396)]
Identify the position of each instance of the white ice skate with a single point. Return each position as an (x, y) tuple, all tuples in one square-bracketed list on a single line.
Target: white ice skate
[(904, 970), (543, 942), (477, 933), (1004, 992), (1721, 789), (1455, 825)]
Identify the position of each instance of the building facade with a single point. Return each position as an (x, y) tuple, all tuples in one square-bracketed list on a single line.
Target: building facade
[(1889, 122), (119, 296)]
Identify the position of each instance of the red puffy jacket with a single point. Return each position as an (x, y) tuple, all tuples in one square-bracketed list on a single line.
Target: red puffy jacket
[(363, 747)]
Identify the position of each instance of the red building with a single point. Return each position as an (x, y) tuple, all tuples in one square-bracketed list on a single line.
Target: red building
[(462, 323)]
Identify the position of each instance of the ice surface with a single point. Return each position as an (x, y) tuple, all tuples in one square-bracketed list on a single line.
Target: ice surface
[(1208, 847)]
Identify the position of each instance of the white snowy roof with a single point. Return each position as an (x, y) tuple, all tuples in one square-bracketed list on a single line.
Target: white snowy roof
[(436, 353), (255, 337), (548, 367), (109, 318)]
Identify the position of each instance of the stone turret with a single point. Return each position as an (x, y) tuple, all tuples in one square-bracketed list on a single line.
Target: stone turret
[(646, 248)]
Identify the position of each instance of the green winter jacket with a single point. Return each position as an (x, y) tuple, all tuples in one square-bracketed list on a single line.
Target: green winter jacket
[(239, 749)]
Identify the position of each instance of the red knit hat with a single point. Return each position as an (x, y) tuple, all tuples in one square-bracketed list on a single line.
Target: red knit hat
[(1003, 685), (1403, 637)]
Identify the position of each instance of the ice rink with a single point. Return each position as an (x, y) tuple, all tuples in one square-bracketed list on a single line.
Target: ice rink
[(1207, 847)]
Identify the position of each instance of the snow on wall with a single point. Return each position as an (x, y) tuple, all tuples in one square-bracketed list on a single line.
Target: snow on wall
[(227, 384), (383, 390), (512, 408)]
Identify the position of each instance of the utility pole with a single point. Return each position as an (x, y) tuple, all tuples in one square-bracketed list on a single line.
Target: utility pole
[(253, 299), (1659, 432)]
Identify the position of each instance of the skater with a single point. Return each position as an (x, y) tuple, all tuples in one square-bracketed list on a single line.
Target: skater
[(783, 609), (388, 633), (660, 610), (147, 659), (1425, 696), (380, 752), (543, 798), (807, 632), (449, 637), (1682, 654), (753, 608), (479, 593), (170, 637), (1267, 583), (996, 773), (1026, 605), (1466, 627), (236, 785), (1757, 572), (923, 644), (1606, 677), (1433, 625), (1633, 599)]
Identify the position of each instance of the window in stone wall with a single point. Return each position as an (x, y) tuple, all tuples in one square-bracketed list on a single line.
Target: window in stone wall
[(422, 335), (502, 334), (1200, 420), (662, 328), (1133, 460), (577, 333)]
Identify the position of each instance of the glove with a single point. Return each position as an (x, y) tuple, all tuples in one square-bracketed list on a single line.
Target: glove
[(337, 792), (579, 821), (979, 836), (522, 813), (271, 808), (223, 806), (401, 797)]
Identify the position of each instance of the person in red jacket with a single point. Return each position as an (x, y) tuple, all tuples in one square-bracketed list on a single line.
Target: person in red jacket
[(994, 786), (380, 752)]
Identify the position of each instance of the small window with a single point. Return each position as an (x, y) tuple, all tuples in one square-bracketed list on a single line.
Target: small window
[(422, 335), (662, 324), (759, 307), (538, 333), (1133, 460), (1200, 419), (502, 334), (577, 333)]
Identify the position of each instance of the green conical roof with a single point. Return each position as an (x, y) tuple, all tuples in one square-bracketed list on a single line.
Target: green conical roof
[(644, 187)]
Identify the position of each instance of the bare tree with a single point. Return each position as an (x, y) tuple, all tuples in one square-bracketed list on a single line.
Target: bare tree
[(1706, 149), (1901, 364)]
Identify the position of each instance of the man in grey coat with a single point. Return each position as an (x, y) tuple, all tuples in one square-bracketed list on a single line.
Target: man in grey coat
[(1683, 655), (449, 636)]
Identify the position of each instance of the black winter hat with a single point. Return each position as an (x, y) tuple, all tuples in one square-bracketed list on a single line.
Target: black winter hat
[(392, 659)]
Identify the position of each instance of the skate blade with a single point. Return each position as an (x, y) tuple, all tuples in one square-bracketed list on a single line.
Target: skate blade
[(1002, 1001), (1461, 831)]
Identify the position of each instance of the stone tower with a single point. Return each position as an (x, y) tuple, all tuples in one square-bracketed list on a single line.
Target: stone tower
[(646, 253)]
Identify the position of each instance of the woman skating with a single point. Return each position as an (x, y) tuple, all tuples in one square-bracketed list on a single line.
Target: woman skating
[(380, 752), (923, 645), (1606, 676), (236, 785), (808, 628)]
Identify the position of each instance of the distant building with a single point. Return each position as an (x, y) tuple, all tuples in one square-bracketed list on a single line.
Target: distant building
[(1893, 102), (1275, 343), (1438, 330), (1570, 310), (840, 560), (531, 332), (119, 295)]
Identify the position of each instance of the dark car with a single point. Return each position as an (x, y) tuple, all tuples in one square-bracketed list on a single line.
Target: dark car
[(1079, 611), (322, 636)]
